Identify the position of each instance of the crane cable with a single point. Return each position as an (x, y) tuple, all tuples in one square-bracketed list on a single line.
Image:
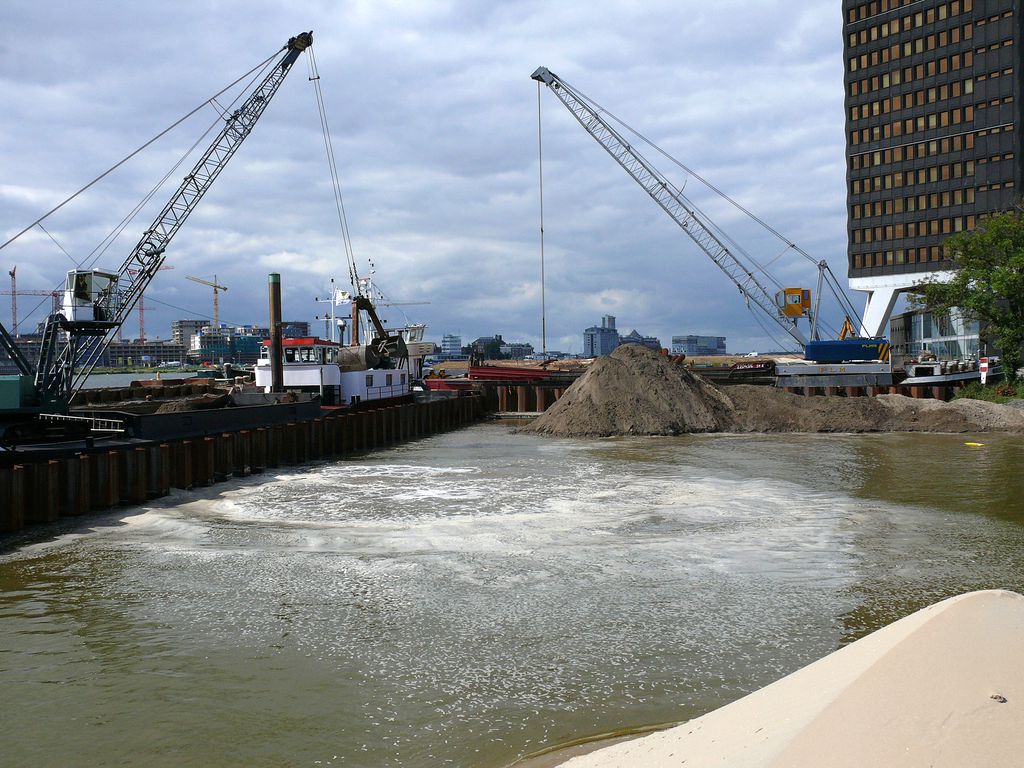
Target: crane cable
[(838, 293), (742, 258), (96, 253), (128, 157), (223, 114), (259, 71), (760, 321), (339, 202)]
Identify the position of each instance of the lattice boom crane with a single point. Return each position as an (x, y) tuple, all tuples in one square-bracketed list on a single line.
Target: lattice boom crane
[(671, 199), (96, 302)]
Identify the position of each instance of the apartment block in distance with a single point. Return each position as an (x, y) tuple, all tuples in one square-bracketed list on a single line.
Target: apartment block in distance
[(601, 341), (932, 134), (696, 346)]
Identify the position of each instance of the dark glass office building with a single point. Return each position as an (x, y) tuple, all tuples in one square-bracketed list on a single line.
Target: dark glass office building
[(932, 133)]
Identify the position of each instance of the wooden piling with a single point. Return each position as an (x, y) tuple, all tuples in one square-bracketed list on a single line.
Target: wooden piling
[(202, 461), (12, 490), (138, 480), (158, 471), (330, 443), (104, 480), (272, 457), (182, 477), (319, 438), (41, 492), (243, 453), (81, 484), (259, 451)]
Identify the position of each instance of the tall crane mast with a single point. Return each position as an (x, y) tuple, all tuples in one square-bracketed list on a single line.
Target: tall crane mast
[(670, 198), (96, 302), (216, 304), (14, 299)]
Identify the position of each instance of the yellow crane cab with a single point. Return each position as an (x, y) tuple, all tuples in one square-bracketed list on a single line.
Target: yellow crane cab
[(794, 302)]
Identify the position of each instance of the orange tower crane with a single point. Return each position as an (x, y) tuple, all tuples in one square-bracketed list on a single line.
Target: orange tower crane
[(55, 298), (142, 308)]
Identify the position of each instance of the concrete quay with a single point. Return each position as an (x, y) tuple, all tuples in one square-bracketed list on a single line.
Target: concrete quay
[(533, 398), (105, 477)]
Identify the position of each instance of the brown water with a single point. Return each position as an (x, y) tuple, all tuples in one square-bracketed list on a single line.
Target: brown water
[(477, 596)]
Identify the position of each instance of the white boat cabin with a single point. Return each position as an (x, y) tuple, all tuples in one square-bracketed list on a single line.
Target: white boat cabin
[(312, 365)]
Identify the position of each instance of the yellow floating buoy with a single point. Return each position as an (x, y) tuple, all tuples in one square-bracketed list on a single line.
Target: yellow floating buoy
[(975, 445)]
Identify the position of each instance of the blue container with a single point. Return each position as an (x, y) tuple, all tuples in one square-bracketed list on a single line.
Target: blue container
[(847, 350)]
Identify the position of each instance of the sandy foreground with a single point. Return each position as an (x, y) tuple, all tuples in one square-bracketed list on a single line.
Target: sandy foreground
[(941, 687)]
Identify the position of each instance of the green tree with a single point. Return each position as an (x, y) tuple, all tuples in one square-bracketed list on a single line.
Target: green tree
[(493, 350), (988, 282)]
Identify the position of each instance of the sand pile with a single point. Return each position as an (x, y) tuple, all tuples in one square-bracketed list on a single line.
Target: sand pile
[(765, 409), (635, 391), (942, 687)]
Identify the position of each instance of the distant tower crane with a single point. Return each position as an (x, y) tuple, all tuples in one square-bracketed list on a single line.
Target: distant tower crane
[(142, 309), (216, 287), (55, 298)]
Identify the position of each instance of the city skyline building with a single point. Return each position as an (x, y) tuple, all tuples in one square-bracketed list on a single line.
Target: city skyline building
[(480, 345), (451, 347), (635, 337), (948, 335), (295, 329), (932, 135), (693, 345), (183, 330), (517, 350), (601, 340), (147, 353)]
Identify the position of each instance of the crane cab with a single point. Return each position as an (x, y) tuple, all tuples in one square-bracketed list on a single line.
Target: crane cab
[(794, 302), (91, 296)]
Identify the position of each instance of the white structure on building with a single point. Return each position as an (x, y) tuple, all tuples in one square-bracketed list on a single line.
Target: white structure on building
[(882, 292)]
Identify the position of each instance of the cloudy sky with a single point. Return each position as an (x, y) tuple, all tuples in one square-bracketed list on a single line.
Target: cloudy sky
[(434, 124)]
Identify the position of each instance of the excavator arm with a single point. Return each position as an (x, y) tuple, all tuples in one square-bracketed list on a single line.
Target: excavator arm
[(388, 345)]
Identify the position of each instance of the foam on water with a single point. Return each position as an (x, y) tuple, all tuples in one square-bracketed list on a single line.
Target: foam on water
[(474, 596)]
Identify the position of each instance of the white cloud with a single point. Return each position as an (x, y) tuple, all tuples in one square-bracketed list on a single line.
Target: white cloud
[(434, 123)]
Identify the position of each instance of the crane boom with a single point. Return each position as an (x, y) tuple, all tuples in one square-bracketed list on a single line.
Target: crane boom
[(669, 197), (55, 379)]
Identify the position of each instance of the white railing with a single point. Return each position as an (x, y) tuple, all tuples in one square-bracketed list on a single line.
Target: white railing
[(95, 425)]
